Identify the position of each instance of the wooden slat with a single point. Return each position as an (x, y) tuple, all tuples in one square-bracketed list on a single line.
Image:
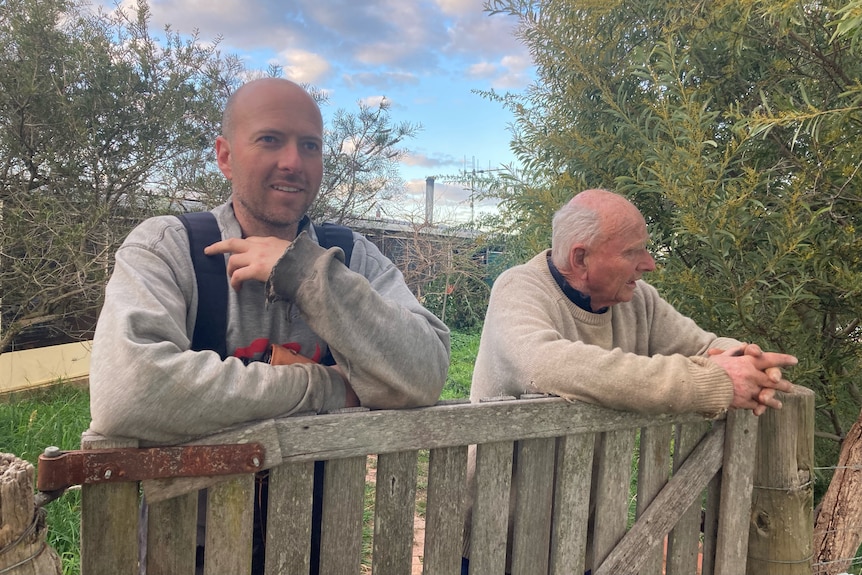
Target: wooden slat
[(572, 477), (614, 461), (109, 536), (394, 506), (682, 545), (444, 510), (289, 516), (683, 489), (653, 474), (736, 487), (534, 477), (490, 519), (335, 436), (172, 535), (343, 503), (230, 517), (710, 524)]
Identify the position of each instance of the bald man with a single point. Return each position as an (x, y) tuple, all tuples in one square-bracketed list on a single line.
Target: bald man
[(147, 383)]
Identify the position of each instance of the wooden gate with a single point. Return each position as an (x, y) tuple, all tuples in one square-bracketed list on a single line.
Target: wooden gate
[(596, 488)]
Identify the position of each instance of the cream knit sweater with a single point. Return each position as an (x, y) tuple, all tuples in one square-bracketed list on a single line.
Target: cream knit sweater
[(641, 355)]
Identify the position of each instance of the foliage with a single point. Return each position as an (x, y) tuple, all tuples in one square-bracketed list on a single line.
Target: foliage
[(465, 346), (103, 125), (735, 127), (100, 126), (27, 426), (444, 265), (459, 295), (361, 158)]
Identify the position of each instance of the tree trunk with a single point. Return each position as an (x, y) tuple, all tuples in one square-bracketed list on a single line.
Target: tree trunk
[(838, 528), (23, 550)]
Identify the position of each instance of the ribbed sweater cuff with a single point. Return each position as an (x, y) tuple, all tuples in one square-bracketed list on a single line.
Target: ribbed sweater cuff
[(295, 266), (712, 386)]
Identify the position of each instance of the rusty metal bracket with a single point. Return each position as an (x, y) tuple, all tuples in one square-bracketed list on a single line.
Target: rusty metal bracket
[(59, 470)]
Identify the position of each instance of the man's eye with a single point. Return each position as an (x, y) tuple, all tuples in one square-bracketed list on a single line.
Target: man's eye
[(312, 146), (268, 139)]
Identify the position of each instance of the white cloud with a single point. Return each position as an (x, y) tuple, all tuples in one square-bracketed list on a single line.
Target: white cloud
[(304, 67), (373, 101), (483, 70), (459, 7)]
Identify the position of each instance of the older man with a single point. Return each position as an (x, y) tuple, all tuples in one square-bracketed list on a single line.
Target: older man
[(578, 321)]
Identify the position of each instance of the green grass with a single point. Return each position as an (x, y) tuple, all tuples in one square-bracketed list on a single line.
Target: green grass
[(55, 416), (58, 415), (464, 346)]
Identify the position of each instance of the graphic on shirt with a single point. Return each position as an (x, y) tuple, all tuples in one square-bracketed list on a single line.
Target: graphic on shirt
[(259, 350)]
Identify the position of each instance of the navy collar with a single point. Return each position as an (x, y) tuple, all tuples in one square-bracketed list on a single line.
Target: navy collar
[(303, 224), (581, 300)]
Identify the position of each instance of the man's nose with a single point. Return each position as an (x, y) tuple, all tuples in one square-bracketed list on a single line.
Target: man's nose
[(648, 264), (289, 157)]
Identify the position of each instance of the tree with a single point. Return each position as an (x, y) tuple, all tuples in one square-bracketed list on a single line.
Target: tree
[(101, 125), (735, 128), (361, 156)]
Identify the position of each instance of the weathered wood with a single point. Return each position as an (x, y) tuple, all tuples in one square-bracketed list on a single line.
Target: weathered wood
[(572, 476), (288, 526), (172, 535), (341, 524), (491, 494), (677, 496), (534, 488), (23, 550), (350, 435), (682, 544), (740, 444), (444, 510), (780, 537), (653, 474), (264, 432), (553, 440), (613, 482), (109, 535), (230, 517), (394, 508), (710, 524), (342, 435)]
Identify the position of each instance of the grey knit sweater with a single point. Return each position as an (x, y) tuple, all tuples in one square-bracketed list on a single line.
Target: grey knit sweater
[(146, 383)]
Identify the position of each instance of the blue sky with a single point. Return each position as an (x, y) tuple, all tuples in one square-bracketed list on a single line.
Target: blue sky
[(424, 56)]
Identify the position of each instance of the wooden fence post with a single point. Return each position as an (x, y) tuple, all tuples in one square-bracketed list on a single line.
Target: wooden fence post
[(23, 550), (780, 536)]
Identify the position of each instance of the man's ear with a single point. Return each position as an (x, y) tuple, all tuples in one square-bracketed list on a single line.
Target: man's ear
[(222, 149), (577, 259)]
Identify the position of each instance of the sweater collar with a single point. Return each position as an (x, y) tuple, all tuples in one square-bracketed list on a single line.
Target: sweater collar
[(581, 300)]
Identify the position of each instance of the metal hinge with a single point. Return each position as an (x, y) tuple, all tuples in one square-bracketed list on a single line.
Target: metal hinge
[(58, 470)]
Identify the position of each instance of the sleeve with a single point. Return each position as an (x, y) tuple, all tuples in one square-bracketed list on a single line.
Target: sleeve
[(532, 343), (146, 383), (671, 332), (394, 352)]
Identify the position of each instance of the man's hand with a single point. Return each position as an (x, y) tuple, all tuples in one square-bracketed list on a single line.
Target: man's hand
[(756, 376), (251, 258)]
